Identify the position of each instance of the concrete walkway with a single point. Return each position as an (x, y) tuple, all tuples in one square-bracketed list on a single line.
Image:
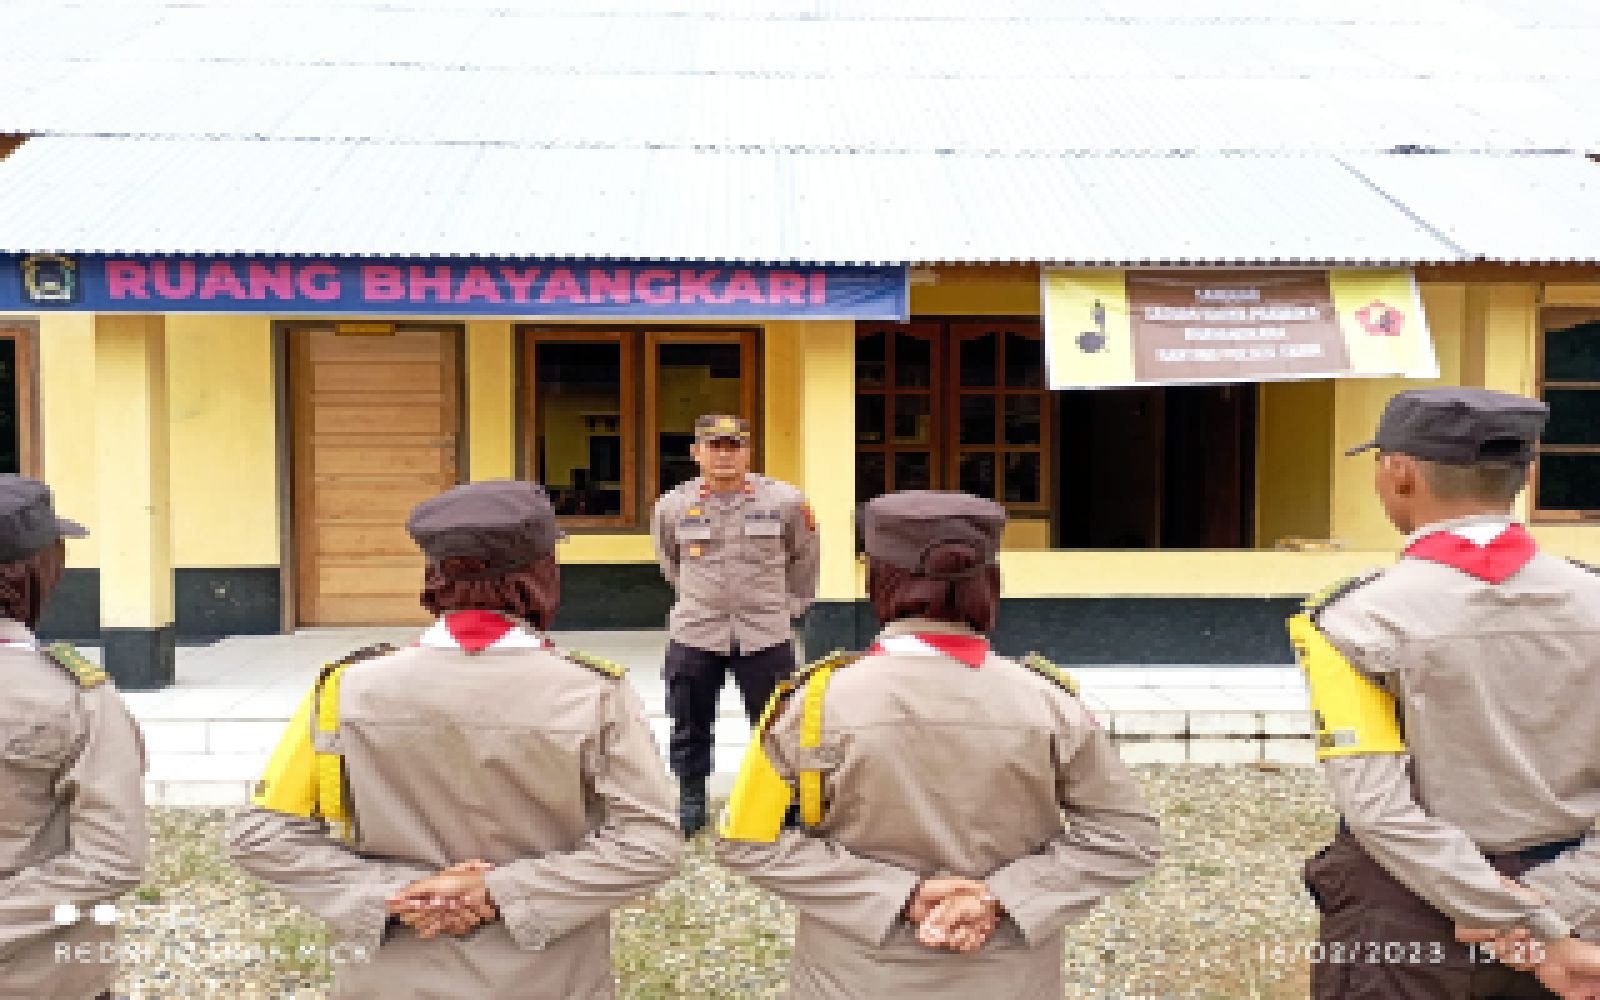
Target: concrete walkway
[(209, 735)]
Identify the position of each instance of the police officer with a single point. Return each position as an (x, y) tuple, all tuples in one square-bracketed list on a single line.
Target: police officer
[(1457, 695), (72, 816), (466, 812), (741, 551), (960, 809)]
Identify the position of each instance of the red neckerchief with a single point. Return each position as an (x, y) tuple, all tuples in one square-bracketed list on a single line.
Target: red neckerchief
[(476, 631), (1495, 562), (969, 649)]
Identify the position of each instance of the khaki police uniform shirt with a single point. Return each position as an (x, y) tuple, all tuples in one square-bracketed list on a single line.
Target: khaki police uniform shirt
[(1498, 689), (933, 767), (519, 757), (72, 822), (743, 565)]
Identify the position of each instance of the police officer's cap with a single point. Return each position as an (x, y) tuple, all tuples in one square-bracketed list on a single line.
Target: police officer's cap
[(28, 520), (1460, 425), (902, 528), (722, 427), (505, 524)]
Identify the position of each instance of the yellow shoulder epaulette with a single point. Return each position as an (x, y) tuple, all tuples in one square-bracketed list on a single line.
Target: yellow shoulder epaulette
[(1052, 673), (837, 658), (75, 663), (371, 652), (1585, 566), (598, 664), (1324, 598), (1353, 714), (761, 797)]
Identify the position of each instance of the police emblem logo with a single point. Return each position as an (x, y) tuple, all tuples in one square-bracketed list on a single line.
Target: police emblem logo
[(50, 279)]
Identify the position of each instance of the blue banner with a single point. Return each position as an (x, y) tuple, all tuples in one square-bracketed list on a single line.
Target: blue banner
[(447, 286)]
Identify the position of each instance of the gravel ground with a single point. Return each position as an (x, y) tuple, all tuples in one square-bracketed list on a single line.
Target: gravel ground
[(1213, 922)]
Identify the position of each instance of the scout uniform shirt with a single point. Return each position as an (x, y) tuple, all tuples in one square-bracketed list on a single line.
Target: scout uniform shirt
[(1492, 653), (743, 565), (481, 742), (72, 819), (939, 757)]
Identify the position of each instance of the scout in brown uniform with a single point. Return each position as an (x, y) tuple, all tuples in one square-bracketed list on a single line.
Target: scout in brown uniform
[(741, 551), (932, 776), (1458, 702), (491, 798), (72, 818)]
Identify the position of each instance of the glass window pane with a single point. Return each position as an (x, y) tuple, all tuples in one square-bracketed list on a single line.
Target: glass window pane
[(1024, 361), (913, 470), (1573, 354), (870, 419), (980, 360), (1569, 482), (977, 474), (10, 419), (1022, 477), (870, 475), (1022, 419), (578, 426), (977, 419), (691, 380), (913, 361), (871, 363), (1574, 416), (913, 419)]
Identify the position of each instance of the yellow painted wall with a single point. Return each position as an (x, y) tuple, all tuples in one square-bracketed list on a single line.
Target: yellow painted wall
[(224, 466), (67, 423), (951, 295), (132, 451), (782, 430), (828, 415), (1293, 472), (491, 403)]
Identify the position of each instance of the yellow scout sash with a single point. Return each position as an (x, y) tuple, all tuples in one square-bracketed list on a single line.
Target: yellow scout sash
[(305, 774), (1354, 716), (760, 797)]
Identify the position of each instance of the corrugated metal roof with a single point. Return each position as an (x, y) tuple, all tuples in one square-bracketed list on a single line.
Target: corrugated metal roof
[(226, 196), (1106, 131), (1521, 209), (1026, 75)]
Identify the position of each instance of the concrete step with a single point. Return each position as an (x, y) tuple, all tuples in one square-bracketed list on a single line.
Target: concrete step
[(196, 763)]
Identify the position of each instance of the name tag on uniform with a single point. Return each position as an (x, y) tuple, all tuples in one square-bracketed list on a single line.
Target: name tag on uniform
[(763, 523)]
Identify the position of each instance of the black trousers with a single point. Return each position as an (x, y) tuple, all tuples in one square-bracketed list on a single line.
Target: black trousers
[(694, 681), (1380, 941)]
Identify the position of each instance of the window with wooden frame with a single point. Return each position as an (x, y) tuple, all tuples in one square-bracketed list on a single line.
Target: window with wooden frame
[(954, 404), (688, 374), (1566, 485), (608, 414), (19, 445), (580, 409)]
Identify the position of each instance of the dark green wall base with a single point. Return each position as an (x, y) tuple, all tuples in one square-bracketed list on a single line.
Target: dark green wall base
[(1101, 630), (140, 659), (210, 603), (73, 614), (241, 600), (607, 596)]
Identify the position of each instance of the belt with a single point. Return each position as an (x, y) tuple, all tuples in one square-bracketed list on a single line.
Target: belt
[(1538, 854)]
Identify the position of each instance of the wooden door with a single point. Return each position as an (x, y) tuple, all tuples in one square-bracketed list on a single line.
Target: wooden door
[(376, 427)]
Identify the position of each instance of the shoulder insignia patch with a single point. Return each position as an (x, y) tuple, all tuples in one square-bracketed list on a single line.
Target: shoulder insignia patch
[(372, 652), (75, 663), (1052, 673), (598, 664), (837, 658), (1327, 596)]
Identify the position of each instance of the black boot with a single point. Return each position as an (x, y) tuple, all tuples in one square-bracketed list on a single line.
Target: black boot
[(691, 806)]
